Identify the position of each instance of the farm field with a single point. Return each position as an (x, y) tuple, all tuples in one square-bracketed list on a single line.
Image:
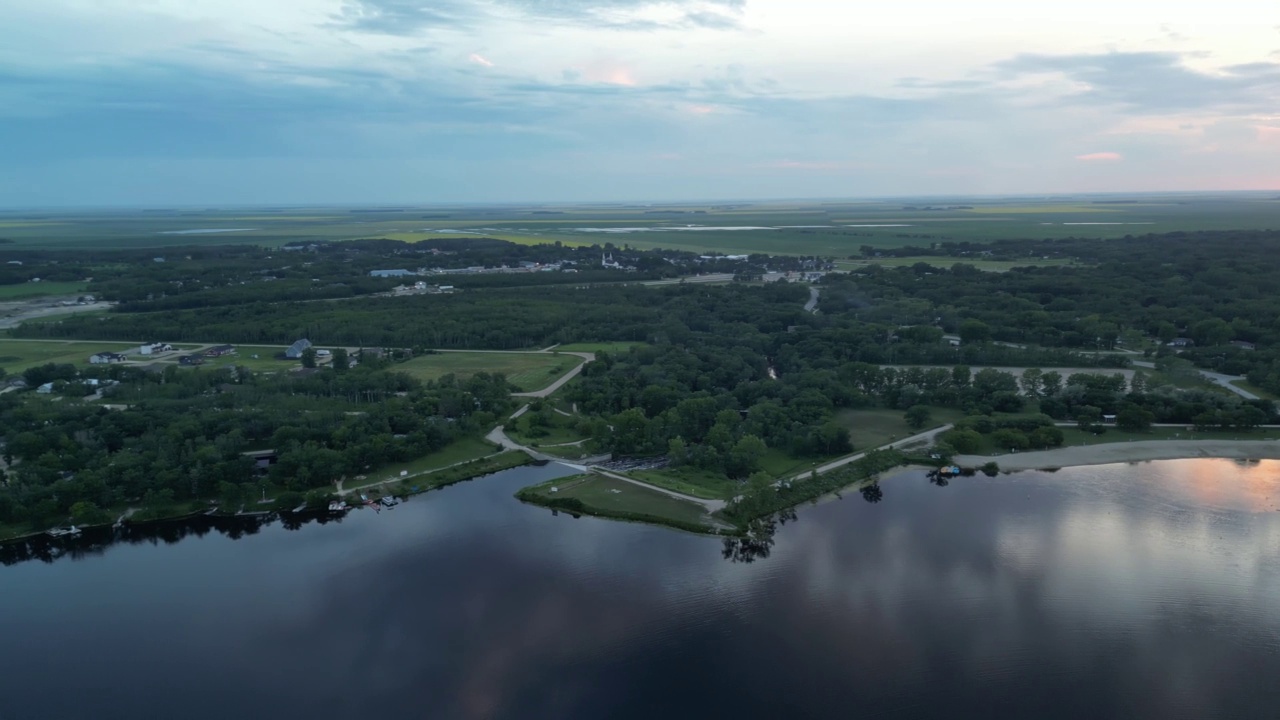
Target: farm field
[(18, 355), (527, 371), (830, 228)]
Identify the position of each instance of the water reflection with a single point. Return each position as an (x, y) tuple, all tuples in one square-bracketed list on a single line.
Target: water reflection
[(1096, 592)]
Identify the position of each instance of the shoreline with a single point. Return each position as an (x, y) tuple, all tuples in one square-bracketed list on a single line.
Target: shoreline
[(1127, 452)]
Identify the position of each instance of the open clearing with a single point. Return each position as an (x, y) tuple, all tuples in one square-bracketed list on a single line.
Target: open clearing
[(613, 348), (527, 371), (609, 495), (870, 429), (40, 289), (16, 356)]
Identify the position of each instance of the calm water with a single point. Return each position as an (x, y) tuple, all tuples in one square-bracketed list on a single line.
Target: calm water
[(1146, 591)]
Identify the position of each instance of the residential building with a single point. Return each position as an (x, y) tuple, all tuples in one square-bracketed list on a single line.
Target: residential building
[(103, 358), (220, 350), (45, 389), (389, 273), (295, 350), (1182, 342), (154, 348), (1243, 345), (191, 360)]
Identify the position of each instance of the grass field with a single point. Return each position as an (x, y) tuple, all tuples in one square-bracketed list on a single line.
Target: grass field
[(1247, 387), (18, 355), (266, 362), (461, 451), (606, 495), (689, 481), (40, 289), (560, 430), (527, 371), (613, 348), (869, 429), (826, 228)]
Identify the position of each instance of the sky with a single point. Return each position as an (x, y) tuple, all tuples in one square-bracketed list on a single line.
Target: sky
[(228, 102)]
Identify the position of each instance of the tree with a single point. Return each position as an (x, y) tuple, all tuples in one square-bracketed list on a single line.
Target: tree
[(340, 359), (1011, 439), (1050, 383), (963, 441), (744, 458), (974, 331), (918, 417), (1031, 382), (1132, 418), (1087, 416), (309, 358)]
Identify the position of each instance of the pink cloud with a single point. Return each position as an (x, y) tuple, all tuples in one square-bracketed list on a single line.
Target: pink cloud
[(479, 59), (620, 76), (1100, 157), (1268, 133)]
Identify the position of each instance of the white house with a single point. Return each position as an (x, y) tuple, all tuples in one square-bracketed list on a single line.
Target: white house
[(153, 348), (45, 389), (105, 358)]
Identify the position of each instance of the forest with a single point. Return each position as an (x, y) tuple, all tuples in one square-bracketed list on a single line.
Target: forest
[(178, 438), (725, 380)]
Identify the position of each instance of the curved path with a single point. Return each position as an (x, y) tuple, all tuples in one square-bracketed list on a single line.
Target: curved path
[(926, 436), (812, 305)]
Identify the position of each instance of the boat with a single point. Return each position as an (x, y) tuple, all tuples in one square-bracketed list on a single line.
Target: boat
[(338, 506), (390, 501), (64, 532)]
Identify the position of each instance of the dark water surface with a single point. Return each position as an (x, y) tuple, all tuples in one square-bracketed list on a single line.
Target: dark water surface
[(1142, 591)]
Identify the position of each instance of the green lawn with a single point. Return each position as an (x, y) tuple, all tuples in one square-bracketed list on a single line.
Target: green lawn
[(690, 481), (869, 429), (559, 431), (464, 450), (267, 360), (780, 464), (527, 371), (40, 289), (18, 355), (1247, 387), (613, 348), (607, 495)]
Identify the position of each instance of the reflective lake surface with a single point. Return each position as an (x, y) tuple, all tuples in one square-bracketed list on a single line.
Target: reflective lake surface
[(1122, 591)]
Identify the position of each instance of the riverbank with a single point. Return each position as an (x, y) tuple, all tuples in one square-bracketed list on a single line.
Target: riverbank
[(1137, 451)]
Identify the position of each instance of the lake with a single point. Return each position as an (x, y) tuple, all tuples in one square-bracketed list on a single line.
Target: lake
[(1119, 591)]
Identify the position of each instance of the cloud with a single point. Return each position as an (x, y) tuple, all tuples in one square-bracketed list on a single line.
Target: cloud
[(479, 59), (409, 17), (1100, 157), (1156, 81)]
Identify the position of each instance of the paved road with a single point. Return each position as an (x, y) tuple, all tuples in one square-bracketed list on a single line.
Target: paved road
[(926, 436), (1223, 381), (586, 358), (710, 505), (812, 305)]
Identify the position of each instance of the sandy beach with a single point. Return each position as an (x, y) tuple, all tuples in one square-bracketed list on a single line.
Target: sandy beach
[(1129, 452)]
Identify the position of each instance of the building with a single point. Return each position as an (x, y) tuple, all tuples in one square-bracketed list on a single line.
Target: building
[(103, 358), (609, 262), (219, 351), (45, 389), (1182, 342), (390, 273), (295, 350), (324, 353), (191, 360), (154, 348), (1241, 344)]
